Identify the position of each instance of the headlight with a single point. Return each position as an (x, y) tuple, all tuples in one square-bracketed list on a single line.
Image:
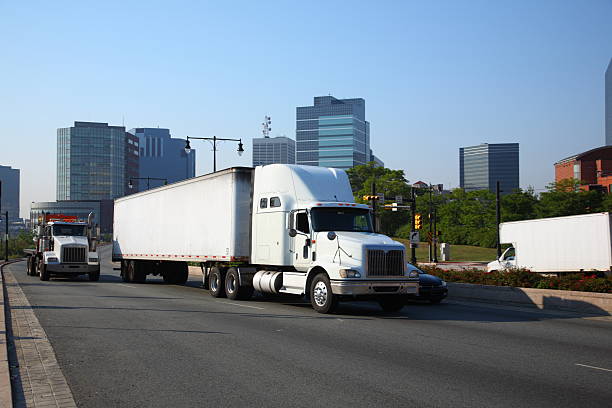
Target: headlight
[(52, 259), (443, 284), (349, 273), (413, 274), (93, 259)]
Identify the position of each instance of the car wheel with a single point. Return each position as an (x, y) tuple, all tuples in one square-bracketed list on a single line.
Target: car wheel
[(321, 297), (435, 301)]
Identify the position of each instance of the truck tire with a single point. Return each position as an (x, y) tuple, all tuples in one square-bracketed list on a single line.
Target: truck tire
[(233, 289), (181, 271), (29, 266), (217, 282), (44, 274), (140, 274), (321, 297), (125, 275), (392, 303), (94, 276)]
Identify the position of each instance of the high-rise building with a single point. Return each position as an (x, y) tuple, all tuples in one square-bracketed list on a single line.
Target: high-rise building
[(10, 192), (90, 161), (608, 104), (480, 167), (162, 157), (270, 150), (132, 163), (333, 133)]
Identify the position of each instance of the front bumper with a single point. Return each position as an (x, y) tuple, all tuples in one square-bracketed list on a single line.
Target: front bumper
[(374, 287), (72, 268)]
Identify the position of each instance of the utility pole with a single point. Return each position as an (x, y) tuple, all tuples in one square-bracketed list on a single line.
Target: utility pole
[(435, 237), (431, 237), (498, 217), (413, 259)]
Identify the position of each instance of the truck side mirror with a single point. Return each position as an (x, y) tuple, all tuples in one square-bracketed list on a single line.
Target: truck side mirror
[(292, 232), (331, 235)]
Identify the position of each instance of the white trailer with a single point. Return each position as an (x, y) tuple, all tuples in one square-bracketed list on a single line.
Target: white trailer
[(275, 229), (578, 243)]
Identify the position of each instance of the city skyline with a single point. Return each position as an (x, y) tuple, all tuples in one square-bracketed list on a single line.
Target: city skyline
[(529, 73)]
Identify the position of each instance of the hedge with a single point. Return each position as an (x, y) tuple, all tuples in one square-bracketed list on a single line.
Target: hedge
[(525, 279)]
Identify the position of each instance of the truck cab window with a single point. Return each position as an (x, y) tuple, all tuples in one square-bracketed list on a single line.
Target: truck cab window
[(263, 203), (509, 254), (301, 222), (275, 202)]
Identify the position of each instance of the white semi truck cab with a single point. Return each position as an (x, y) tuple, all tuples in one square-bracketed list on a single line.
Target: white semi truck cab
[(64, 246), (276, 229)]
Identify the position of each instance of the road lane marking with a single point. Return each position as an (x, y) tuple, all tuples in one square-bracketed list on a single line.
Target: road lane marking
[(127, 286), (238, 304), (596, 368)]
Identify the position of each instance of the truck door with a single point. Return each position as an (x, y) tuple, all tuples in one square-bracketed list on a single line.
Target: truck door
[(301, 244)]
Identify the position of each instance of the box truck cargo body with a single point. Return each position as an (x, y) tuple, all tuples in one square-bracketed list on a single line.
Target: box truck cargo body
[(275, 229), (578, 243)]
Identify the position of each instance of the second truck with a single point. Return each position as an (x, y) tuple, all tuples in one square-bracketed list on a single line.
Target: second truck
[(279, 229)]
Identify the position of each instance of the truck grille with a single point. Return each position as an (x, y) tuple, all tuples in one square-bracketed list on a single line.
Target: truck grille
[(389, 263), (74, 255)]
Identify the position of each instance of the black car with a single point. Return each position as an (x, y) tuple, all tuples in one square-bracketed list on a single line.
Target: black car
[(431, 287)]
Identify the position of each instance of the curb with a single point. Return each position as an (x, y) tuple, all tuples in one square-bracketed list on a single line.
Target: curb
[(544, 299), (6, 396)]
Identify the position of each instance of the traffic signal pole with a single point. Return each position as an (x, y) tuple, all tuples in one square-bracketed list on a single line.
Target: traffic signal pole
[(373, 199), (413, 258)]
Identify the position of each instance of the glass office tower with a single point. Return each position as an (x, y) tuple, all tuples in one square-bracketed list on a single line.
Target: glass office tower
[(270, 150), (480, 167), (90, 161), (333, 133)]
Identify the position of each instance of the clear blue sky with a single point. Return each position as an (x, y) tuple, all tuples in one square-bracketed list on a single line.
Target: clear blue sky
[(436, 75)]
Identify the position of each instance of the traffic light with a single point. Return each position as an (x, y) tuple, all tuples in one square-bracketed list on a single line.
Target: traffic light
[(418, 223), (370, 197)]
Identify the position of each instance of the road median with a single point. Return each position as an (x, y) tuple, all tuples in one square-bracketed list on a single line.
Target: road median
[(544, 299)]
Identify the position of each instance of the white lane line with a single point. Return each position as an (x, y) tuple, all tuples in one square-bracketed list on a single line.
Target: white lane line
[(238, 304), (596, 368), (127, 286)]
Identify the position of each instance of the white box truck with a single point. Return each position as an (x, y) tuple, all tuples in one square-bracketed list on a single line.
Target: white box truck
[(578, 243), (275, 229)]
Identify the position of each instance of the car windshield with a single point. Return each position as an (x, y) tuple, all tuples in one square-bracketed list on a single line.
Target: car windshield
[(63, 230), (341, 219)]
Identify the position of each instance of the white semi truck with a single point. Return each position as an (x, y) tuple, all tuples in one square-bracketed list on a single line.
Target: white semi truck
[(578, 243), (275, 229), (65, 246)]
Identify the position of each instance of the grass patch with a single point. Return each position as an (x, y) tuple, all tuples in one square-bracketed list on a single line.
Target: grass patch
[(457, 252)]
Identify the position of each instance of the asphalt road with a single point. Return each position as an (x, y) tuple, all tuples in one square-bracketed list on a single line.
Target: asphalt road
[(157, 345)]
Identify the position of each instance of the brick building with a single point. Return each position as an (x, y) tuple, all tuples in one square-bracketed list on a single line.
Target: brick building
[(593, 168)]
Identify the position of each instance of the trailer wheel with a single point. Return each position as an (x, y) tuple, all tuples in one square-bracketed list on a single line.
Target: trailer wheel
[(140, 274), (232, 286), (217, 282), (392, 303), (29, 266), (44, 274), (321, 297), (181, 273), (125, 275)]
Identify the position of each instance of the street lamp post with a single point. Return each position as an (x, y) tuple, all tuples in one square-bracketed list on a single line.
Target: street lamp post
[(131, 185), (214, 140)]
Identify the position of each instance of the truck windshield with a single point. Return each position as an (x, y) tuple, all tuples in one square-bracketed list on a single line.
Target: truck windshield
[(63, 230), (341, 219)]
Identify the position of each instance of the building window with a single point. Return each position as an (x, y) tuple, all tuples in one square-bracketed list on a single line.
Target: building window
[(577, 174)]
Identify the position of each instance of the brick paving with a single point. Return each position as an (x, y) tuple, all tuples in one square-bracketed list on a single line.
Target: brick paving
[(36, 378)]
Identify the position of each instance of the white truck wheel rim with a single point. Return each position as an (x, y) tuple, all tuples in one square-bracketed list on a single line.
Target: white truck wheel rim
[(320, 293)]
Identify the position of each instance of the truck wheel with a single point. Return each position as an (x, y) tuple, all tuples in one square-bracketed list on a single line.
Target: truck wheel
[(392, 303), (232, 286), (44, 274), (140, 274), (217, 282), (94, 276), (29, 266), (181, 272), (321, 296)]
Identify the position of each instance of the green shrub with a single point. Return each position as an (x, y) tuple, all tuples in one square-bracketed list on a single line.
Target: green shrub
[(525, 279)]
